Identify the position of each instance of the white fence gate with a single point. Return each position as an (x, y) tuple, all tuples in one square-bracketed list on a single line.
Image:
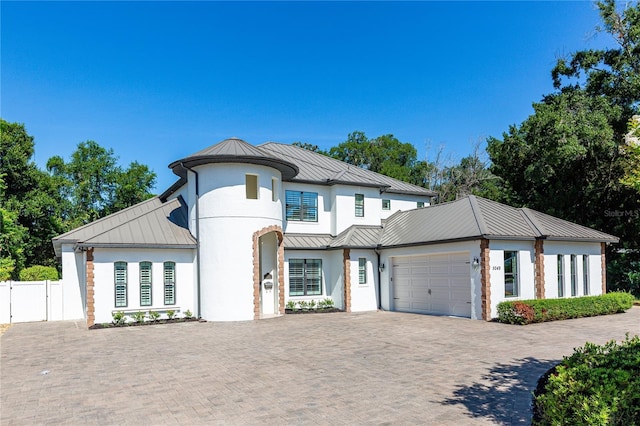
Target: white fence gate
[(27, 301)]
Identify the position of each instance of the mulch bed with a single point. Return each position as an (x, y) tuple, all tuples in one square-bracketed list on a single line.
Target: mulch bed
[(312, 311), (136, 324)]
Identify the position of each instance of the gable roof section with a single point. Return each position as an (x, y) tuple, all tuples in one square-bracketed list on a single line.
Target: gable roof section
[(150, 224), (320, 169), (234, 150), (358, 236)]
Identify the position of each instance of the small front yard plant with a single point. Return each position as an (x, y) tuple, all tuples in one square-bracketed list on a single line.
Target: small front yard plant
[(597, 385), (138, 317), (541, 310), (188, 314), (119, 318), (171, 313), (310, 306), (154, 316)]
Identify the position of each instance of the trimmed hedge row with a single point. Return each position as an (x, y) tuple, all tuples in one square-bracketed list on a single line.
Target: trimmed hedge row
[(597, 385), (541, 310)]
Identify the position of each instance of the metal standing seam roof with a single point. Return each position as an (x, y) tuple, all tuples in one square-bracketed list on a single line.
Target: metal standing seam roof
[(360, 236), (234, 150), (150, 224), (307, 241), (475, 217), (323, 170)]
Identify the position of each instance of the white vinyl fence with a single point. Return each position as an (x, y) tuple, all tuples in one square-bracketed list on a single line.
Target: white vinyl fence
[(26, 301)]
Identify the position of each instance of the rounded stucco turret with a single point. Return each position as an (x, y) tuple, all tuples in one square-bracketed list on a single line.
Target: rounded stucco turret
[(236, 212)]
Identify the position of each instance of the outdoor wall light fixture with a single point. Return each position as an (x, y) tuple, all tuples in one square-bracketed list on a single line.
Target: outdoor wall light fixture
[(381, 267), (476, 263)]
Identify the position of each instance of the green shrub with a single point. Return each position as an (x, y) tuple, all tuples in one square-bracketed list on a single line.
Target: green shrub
[(119, 318), (188, 314), (597, 385), (540, 310), (171, 313), (291, 305), (39, 273), (138, 316), (7, 266), (153, 315)]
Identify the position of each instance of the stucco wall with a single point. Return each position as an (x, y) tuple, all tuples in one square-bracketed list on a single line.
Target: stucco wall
[(331, 274), (104, 280), (592, 250), (74, 283), (363, 296), (400, 202), (344, 207), (526, 276)]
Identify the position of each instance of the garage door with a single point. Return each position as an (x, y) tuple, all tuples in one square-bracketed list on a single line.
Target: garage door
[(438, 284)]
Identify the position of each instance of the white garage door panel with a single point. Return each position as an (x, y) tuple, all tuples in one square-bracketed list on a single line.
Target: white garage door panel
[(433, 284)]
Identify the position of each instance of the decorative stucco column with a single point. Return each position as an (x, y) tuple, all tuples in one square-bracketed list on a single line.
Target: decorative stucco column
[(346, 260), (90, 281), (485, 279), (539, 269), (603, 260)]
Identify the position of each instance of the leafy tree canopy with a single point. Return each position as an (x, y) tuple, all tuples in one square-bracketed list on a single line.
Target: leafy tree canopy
[(569, 158)]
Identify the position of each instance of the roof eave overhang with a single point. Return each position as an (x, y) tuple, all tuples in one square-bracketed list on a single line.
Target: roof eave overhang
[(584, 240), (172, 189), (130, 245), (418, 193), (287, 169)]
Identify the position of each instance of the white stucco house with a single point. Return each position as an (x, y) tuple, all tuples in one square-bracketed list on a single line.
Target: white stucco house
[(245, 229)]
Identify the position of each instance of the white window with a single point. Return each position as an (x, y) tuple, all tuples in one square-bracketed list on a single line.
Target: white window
[(362, 270), (585, 273), (169, 283), (359, 205), (274, 189), (386, 204), (574, 276), (120, 278), (560, 275), (510, 273), (145, 283), (251, 186), (305, 277), (302, 206)]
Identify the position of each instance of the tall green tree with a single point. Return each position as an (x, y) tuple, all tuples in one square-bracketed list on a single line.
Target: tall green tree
[(94, 185), (28, 196), (568, 158), (384, 154)]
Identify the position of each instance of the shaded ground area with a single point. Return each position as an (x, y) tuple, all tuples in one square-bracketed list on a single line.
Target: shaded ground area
[(340, 368)]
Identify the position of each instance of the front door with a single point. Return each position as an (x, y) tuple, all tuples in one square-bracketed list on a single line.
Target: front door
[(268, 274)]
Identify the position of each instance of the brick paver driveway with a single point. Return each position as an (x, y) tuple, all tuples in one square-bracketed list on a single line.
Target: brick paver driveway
[(372, 368)]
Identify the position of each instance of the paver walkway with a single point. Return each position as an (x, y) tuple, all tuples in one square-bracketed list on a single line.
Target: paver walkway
[(372, 368)]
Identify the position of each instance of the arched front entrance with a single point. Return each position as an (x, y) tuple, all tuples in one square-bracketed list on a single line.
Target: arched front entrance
[(268, 272)]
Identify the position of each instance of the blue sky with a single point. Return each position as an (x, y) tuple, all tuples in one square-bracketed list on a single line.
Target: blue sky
[(157, 81)]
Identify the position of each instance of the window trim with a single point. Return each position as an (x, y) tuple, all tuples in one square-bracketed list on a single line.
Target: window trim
[(122, 284), (274, 189), (514, 274), (150, 282), (585, 274), (388, 204), (255, 192), (303, 209), (574, 275), (561, 275), (305, 277), (171, 283), (362, 270), (359, 205)]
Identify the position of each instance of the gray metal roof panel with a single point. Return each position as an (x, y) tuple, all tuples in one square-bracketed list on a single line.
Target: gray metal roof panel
[(358, 236), (555, 228), (234, 150), (150, 223), (448, 221), (503, 220), (307, 241), (318, 168)]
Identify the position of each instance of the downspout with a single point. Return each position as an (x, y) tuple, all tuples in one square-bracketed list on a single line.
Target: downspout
[(379, 274), (197, 234)]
